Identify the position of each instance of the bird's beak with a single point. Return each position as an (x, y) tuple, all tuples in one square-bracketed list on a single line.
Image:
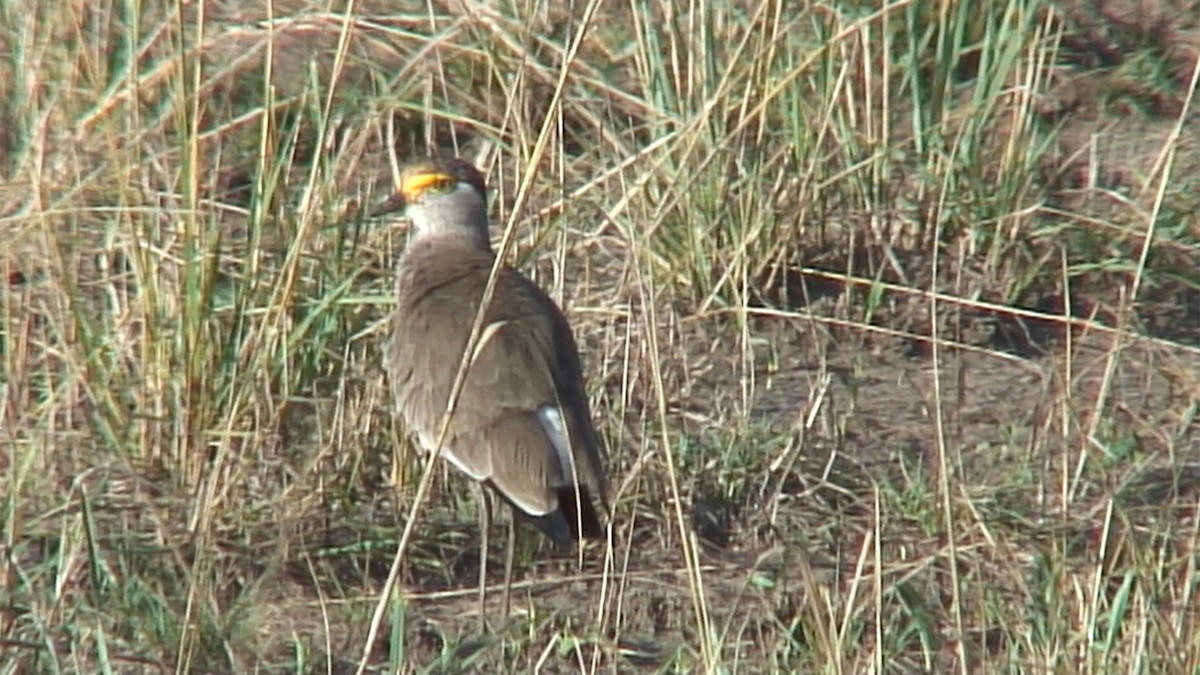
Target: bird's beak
[(390, 205)]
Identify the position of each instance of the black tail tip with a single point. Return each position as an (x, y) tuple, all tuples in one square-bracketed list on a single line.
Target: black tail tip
[(579, 512), (576, 519)]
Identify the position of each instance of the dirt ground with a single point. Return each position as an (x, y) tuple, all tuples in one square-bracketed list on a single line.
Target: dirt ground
[(830, 466)]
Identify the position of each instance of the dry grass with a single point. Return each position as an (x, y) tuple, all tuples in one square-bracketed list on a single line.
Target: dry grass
[(890, 315)]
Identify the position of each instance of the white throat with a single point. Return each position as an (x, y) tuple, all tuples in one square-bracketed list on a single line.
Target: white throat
[(460, 213)]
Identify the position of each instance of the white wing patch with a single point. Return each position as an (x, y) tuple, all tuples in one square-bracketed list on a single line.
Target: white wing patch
[(552, 421)]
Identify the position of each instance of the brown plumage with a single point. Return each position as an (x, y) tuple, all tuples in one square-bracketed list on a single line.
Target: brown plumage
[(522, 427)]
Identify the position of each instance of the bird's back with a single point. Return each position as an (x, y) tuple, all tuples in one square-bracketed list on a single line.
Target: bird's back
[(522, 423)]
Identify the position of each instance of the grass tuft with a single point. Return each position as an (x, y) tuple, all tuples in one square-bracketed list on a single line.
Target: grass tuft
[(888, 312)]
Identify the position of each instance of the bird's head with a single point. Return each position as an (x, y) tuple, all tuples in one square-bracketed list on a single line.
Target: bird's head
[(440, 196)]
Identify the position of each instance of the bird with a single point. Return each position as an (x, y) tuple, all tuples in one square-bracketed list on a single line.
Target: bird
[(522, 429)]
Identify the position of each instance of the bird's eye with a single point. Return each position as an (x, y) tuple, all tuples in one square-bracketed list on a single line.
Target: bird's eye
[(442, 184), (415, 186)]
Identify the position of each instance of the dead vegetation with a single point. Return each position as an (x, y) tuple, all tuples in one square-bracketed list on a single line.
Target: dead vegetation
[(891, 316)]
